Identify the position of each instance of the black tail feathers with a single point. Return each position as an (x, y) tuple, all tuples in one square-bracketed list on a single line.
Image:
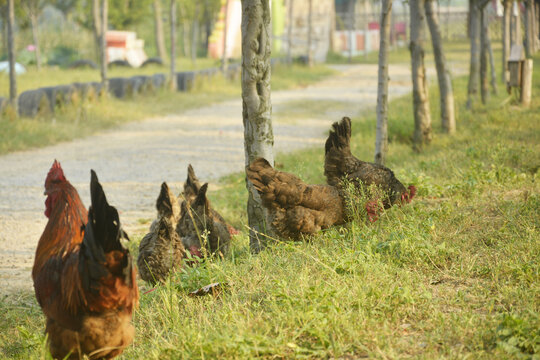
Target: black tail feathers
[(339, 135)]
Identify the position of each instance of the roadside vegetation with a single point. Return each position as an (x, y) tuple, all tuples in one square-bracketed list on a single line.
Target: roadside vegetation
[(454, 274), (86, 118)]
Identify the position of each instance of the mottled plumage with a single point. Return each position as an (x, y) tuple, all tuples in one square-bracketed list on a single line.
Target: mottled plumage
[(295, 208), (161, 250), (340, 164)]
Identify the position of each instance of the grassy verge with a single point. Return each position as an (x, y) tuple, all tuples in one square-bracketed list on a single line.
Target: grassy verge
[(452, 275), (89, 117)]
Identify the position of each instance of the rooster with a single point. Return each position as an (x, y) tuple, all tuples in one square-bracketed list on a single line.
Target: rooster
[(83, 277), (161, 250), (340, 164), (295, 208), (202, 227)]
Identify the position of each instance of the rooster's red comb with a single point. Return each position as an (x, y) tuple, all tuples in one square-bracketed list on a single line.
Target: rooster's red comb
[(55, 173)]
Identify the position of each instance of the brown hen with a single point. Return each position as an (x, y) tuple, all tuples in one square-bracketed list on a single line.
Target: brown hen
[(340, 164), (296, 208), (161, 250)]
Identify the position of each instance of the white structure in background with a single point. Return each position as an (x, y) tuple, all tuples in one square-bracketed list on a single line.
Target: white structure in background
[(4, 67), (234, 36), (124, 45)]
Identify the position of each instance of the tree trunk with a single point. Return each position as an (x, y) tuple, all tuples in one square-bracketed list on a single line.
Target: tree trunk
[(309, 33), (493, 72), (474, 68), (289, 32), (484, 89), (172, 15), (158, 29), (422, 116), (506, 37), (195, 34), (256, 107), (11, 55), (96, 28), (381, 140), (224, 56), (446, 91), (104, 16), (34, 24)]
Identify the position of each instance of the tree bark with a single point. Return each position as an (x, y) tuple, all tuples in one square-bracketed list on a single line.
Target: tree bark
[(484, 89), (96, 28), (172, 15), (309, 33), (158, 30), (256, 107), (224, 56), (381, 139), (34, 23), (289, 31), (11, 55), (422, 116), (195, 34), (446, 91), (507, 4), (474, 68), (104, 16), (493, 73)]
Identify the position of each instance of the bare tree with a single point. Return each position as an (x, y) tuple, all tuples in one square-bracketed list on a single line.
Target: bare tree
[(33, 9), (484, 90), (195, 33), (104, 16), (507, 4), (381, 140), (475, 7), (172, 14), (530, 36), (309, 34), (422, 115), (11, 55), (289, 30), (96, 25), (446, 91), (225, 20), (257, 108), (158, 30)]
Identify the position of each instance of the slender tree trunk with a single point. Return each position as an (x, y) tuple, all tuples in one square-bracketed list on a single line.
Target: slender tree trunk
[(11, 54), (484, 89), (493, 72), (172, 15), (366, 29), (422, 116), (225, 28), (104, 16), (381, 140), (34, 24), (289, 31), (158, 29), (474, 69), (257, 108), (309, 33), (506, 37), (195, 34), (96, 28), (446, 91)]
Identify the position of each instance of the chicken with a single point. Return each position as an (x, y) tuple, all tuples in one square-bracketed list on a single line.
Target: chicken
[(295, 208), (83, 277), (340, 164), (161, 250), (202, 227), (191, 189)]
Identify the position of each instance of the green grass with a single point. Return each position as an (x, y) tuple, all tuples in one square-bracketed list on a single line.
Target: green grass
[(452, 275), (90, 117)]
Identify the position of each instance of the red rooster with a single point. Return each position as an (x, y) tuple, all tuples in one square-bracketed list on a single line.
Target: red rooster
[(83, 277)]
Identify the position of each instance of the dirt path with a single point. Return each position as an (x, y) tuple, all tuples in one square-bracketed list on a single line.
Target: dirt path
[(133, 160)]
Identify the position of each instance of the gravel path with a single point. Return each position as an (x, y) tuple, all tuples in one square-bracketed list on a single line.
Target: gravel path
[(132, 160)]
